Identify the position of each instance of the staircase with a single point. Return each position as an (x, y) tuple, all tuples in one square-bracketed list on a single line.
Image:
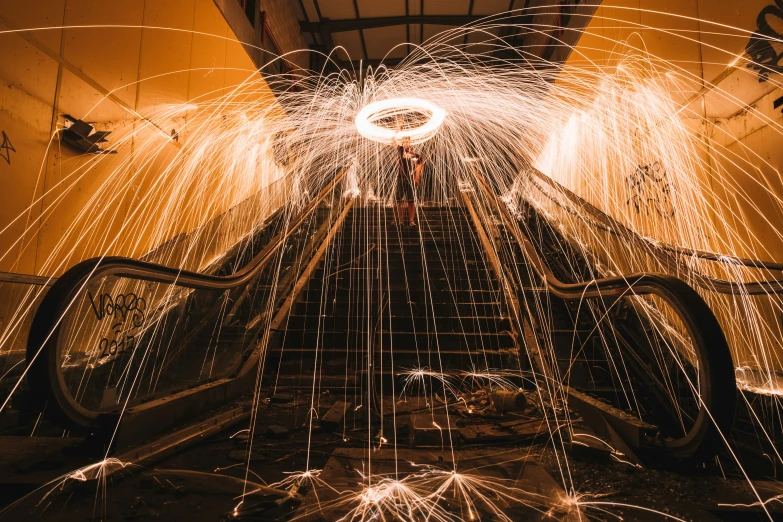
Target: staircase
[(388, 298)]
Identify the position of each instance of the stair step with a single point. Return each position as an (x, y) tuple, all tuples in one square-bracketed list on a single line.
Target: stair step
[(401, 323), (421, 340), (412, 294), (417, 309)]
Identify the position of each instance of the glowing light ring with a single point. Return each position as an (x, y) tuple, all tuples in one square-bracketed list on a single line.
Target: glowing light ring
[(365, 120)]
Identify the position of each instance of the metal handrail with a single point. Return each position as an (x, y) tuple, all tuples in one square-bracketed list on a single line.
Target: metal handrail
[(26, 279), (706, 282), (717, 385), (45, 374)]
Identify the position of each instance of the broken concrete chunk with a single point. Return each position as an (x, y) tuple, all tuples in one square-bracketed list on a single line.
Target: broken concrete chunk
[(334, 417), (585, 445), (597, 415), (282, 397), (480, 433), (276, 431), (524, 428), (427, 429)]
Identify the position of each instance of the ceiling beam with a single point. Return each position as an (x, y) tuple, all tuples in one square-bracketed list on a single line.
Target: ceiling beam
[(361, 33), (341, 26), (375, 62)]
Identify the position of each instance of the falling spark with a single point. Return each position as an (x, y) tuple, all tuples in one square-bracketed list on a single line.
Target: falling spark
[(605, 152)]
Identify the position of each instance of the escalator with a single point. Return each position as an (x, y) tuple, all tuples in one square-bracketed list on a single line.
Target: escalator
[(642, 354), (124, 349), (343, 299), (756, 431)]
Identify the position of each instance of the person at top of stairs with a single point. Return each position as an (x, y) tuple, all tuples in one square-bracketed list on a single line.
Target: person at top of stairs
[(411, 165)]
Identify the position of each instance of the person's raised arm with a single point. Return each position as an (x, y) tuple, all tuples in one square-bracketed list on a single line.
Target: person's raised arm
[(419, 169)]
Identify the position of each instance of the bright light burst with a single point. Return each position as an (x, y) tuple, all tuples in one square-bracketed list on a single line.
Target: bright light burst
[(607, 153), (368, 118)]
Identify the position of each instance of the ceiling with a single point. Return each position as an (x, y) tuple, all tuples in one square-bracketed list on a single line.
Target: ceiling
[(370, 30)]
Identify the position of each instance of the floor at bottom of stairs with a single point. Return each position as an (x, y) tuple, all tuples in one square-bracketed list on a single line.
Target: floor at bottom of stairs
[(519, 478)]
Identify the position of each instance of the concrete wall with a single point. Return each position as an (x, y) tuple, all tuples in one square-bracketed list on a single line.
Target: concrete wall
[(121, 78), (723, 149), (282, 22), (140, 69), (721, 99)]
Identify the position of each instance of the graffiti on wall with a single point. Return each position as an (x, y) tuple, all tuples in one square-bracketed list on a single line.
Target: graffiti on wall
[(126, 311), (650, 190), (6, 148), (765, 47)]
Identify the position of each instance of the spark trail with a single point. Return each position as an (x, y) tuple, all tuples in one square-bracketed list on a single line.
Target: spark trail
[(605, 157)]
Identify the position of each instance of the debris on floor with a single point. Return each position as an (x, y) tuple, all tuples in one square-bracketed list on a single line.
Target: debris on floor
[(334, 417), (428, 429), (506, 400)]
